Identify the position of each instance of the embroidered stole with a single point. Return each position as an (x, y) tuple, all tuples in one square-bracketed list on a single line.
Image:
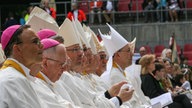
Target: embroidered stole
[(11, 63)]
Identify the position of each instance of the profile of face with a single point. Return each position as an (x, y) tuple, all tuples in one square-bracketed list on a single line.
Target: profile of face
[(56, 63), (46, 3), (76, 55), (125, 55), (151, 66), (168, 67), (102, 63), (160, 74), (142, 51), (169, 54), (74, 6), (30, 48)]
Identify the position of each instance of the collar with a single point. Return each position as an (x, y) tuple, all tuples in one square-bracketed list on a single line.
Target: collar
[(25, 69), (115, 65), (47, 80)]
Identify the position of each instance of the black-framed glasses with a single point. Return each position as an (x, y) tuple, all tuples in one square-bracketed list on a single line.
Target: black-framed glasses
[(62, 64), (75, 49)]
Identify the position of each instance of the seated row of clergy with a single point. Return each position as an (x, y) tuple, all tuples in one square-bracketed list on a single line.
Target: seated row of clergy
[(24, 52), (19, 88)]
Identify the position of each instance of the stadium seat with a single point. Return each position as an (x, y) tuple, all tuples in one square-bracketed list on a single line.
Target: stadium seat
[(123, 5), (187, 48), (189, 62), (187, 51), (158, 50), (84, 5), (134, 5), (188, 3)]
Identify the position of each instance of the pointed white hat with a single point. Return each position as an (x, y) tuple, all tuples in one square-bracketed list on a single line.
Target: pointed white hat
[(38, 23), (132, 45), (67, 31), (97, 47), (2, 55), (85, 27), (85, 38), (114, 41), (42, 14)]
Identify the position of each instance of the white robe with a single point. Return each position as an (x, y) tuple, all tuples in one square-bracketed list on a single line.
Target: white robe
[(133, 74), (67, 93), (88, 98), (116, 75), (50, 97), (16, 90)]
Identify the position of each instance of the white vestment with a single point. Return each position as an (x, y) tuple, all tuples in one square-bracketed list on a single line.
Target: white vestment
[(16, 90), (117, 75), (45, 90), (88, 98)]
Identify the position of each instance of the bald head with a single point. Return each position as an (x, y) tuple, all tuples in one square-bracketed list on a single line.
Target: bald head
[(142, 51)]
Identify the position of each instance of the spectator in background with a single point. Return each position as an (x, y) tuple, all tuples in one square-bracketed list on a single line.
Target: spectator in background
[(151, 85), (10, 21), (77, 14), (45, 6), (173, 8), (184, 63), (182, 82), (22, 18), (142, 52), (162, 14), (108, 8), (147, 6), (95, 6), (29, 9)]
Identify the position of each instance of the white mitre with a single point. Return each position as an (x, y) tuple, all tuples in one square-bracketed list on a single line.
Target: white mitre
[(37, 23), (67, 31), (42, 14)]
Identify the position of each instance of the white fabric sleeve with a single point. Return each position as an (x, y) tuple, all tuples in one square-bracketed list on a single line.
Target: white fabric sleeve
[(115, 101)]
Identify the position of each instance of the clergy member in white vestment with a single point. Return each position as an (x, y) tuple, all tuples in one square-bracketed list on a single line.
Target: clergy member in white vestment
[(64, 93), (53, 64), (23, 50), (121, 52), (88, 98)]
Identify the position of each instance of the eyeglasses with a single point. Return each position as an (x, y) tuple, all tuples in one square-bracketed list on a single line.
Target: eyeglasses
[(75, 49), (62, 64), (102, 56), (142, 51), (128, 51), (35, 41)]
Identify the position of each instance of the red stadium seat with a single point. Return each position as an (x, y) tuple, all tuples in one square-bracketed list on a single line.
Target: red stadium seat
[(158, 50), (123, 5), (135, 7), (188, 55), (189, 62), (188, 3), (84, 5), (187, 51), (187, 48)]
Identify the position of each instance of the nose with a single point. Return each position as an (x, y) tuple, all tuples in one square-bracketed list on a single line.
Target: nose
[(40, 45)]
